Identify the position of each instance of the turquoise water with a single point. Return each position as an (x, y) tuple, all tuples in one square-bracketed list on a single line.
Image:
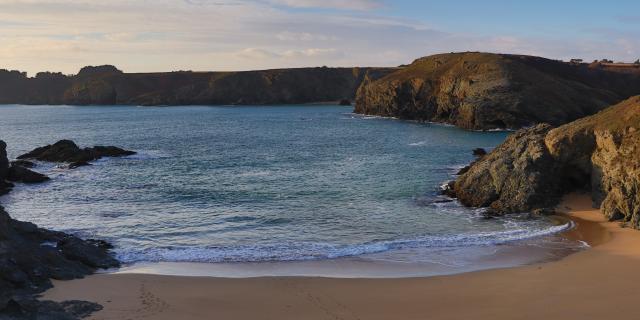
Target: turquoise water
[(276, 183)]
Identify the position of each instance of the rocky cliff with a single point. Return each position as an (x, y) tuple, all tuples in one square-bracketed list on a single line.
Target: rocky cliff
[(106, 85), (488, 91), (534, 167)]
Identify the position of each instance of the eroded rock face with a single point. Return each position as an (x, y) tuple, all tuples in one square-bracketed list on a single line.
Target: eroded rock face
[(605, 149), (508, 179), (68, 151), (534, 167), (487, 91)]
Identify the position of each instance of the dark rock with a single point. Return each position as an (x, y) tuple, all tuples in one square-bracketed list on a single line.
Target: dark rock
[(491, 213), (90, 253), (68, 151), (78, 164), (5, 186), (61, 151), (483, 91), (345, 102), (30, 308), (99, 244), (109, 151), (4, 162), (22, 174), (30, 257), (543, 211), (479, 152), (23, 163), (463, 170), (448, 189)]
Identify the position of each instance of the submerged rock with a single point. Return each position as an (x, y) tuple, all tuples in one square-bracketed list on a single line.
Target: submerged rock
[(23, 163), (68, 151), (345, 102)]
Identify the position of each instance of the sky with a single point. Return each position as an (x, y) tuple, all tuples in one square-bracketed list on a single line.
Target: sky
[(207, 35)]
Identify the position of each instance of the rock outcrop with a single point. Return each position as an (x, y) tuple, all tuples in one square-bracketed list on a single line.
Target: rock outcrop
[(67, 151), (482, 91), (106, 85), (4, 169), (534, 167), (508, 179), (30, 257)]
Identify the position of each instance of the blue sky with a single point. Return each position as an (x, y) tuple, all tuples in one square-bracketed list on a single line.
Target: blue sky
[(165, 35)]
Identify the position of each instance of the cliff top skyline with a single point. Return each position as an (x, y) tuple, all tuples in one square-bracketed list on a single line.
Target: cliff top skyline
[(146, 36)]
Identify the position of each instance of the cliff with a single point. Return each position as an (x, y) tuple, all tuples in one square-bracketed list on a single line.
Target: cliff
[(488, 91), (534, 167), (106, 85)]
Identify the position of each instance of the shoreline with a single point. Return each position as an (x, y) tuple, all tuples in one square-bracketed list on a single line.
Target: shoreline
[(591, 284), (393, 264)]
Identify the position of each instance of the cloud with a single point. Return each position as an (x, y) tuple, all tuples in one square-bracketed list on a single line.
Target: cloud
[(332, 4), (304, 36), (255, 53), (311, 52)]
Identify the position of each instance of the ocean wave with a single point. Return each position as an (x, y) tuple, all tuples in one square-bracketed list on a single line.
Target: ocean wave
[(318, 251), (147, 155)]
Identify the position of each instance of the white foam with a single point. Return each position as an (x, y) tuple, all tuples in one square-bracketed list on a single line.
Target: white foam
[(148, 154), (315, 251)]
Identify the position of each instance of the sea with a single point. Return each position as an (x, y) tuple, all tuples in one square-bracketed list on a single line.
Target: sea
[(312, 190)]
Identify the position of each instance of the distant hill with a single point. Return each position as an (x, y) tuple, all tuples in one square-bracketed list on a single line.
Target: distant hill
[(488, 91), (106, 85)]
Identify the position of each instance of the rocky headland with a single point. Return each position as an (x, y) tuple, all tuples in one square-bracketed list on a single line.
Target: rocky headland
[(106, 85), (31, 256), (483, 91), (534, 167)]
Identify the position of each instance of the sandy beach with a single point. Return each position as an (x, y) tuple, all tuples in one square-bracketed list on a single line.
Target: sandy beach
[(597, 283)]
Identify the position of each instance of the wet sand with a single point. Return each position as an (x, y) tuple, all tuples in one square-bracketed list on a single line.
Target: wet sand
[(597, 283)]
